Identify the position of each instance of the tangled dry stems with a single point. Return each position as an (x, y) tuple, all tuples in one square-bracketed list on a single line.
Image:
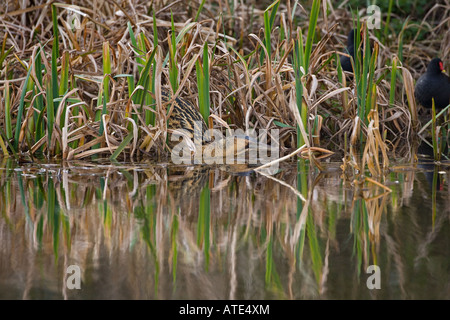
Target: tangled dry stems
[(245, 93)]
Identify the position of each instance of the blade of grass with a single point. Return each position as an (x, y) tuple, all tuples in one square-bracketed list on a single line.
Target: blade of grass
[(388, 19), (393, 80), (400, 40), (39, 104), (3, 56), (3, 146), (173, 68), (135, 46), (315, 9), (299, 72), (54, 71), (268, 25), (50, 111), (8, 125), (55, 30), (198, 11), (203, 84), (152, 101), (103, 98), (371, 66), (64, 83), (21, 109), (122, 146), (434, 132)]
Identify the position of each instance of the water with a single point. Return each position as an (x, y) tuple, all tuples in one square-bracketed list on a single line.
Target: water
[(148, 231)]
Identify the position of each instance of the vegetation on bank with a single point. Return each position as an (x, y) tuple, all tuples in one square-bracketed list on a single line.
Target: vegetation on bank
[(78, 81)]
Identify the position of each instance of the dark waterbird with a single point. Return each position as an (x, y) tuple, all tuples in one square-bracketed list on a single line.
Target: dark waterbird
[(433, 84), (345, 61)]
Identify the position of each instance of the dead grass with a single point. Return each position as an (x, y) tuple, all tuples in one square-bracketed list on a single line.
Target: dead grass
[(246, 92)]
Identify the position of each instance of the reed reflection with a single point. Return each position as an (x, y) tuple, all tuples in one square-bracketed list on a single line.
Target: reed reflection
[(163, 232)]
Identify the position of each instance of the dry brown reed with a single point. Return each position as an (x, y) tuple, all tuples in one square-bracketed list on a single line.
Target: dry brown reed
[(245, 93)]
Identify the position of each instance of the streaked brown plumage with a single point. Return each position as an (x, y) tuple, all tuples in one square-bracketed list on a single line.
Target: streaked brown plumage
[(184, 115)]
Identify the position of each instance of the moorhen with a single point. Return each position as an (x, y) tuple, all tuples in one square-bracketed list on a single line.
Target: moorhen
[(433, 84), (345, 61)]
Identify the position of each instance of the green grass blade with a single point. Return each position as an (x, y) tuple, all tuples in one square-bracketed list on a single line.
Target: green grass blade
[(103, 98), (371, 71), (104, 111), (39, 104), (21, 109), (54, 88), (153, 78), (64, 84), (267, 40), (199, 10), (143, 78), (8, 125), (135, 46), (173, 68), (315, 9), (106, 70), (178, 38), (388, 19), (298, 62), (3, 146), (393, 81), (3, 56), (50, 110), (132, 36), (364, 80), (54, 71), (400, 40), (268, 25), (203, 84), (434, 132), (122, 146), (274, 6), (55, 31)]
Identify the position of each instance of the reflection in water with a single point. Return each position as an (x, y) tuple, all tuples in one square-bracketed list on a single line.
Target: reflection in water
[(162, 232)]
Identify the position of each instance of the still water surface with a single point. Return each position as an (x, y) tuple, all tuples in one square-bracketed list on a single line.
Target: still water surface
[(161, 232)]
